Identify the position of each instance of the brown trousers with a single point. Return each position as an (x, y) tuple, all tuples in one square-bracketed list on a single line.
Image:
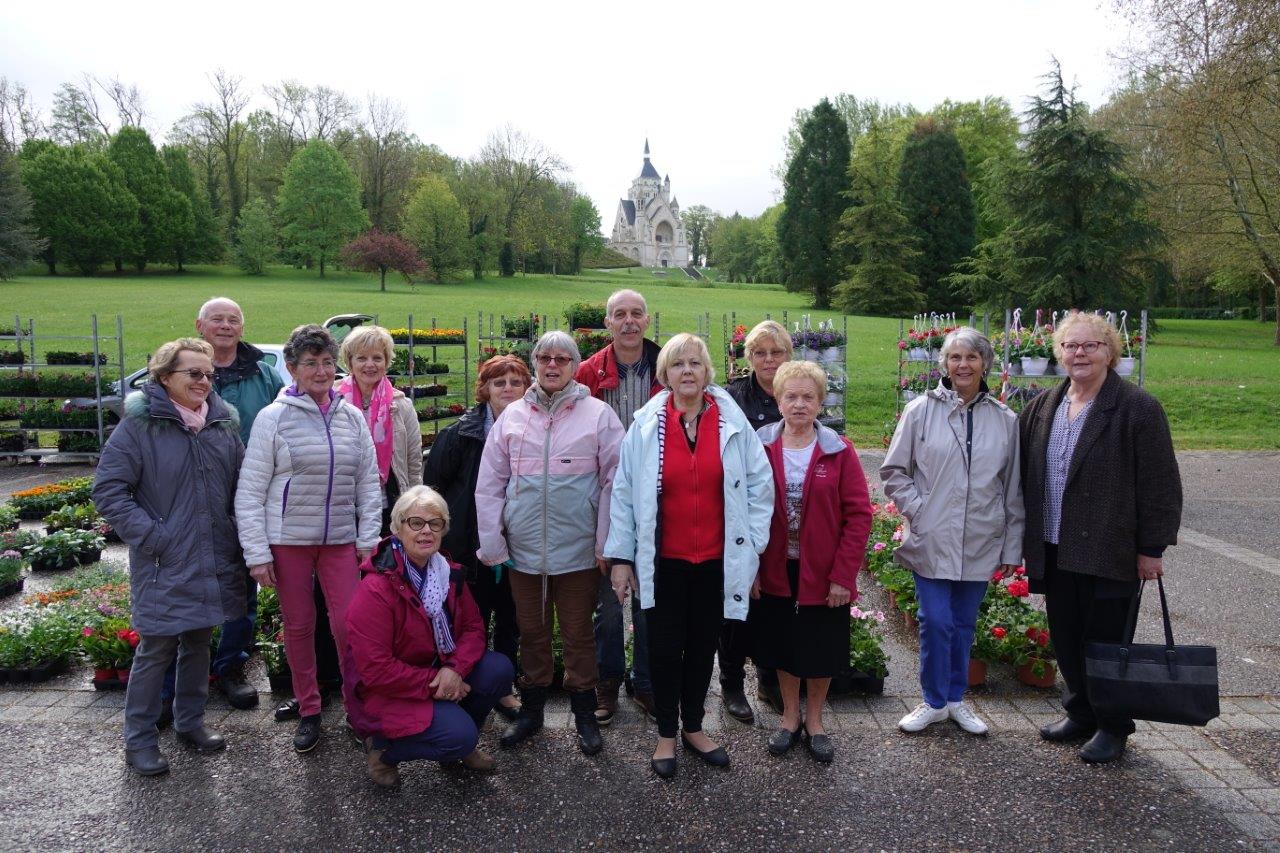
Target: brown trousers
[(574, 598)]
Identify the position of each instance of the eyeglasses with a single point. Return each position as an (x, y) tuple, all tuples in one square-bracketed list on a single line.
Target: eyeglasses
[(197, 374), (415, 523), (558, 360), (507, 383), (773, 354), (311, 364), (1090, 347)]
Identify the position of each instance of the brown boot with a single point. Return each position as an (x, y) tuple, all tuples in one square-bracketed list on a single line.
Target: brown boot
[(644, 700), (607, 700), (480, 762), (383, 775)]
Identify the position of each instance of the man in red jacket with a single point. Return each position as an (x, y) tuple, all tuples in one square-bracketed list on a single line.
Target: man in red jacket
[(624, 375)]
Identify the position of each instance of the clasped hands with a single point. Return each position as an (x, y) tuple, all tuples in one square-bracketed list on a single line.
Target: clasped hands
[(448, 686)]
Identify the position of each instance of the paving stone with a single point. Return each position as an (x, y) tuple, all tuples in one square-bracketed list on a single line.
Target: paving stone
[(1266, 799), (887, 720), (1216, 759), (1243, 722), (1036, 706), (109, 699), (19, 713), (1186, 738), (858, 722), (80, 698), (890, 704), (1253, 704), (1256, 825), (57, 714), (94, 714), (995, 705), (1009, 722), (1172, 758), (848, 704), (1154, 740), (1228, 800), (1271, 721), (1199, 778), (11, 697), (1242, 779)]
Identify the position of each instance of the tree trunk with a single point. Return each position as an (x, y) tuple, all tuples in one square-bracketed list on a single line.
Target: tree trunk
[(1262, 304), (322, 266), (1270, 264), (384, 278)]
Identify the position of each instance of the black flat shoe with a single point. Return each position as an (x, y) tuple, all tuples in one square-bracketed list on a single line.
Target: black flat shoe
[(202, 740), (783, 740), (1065, 730), (664, 767), (308, 734), (1102, 748), (287, 710), (147, 761), (820, 747), (735, 702), (716, 757)]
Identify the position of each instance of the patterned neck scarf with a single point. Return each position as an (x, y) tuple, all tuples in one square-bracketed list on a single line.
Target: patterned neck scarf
[(432, 586), (377, 416)]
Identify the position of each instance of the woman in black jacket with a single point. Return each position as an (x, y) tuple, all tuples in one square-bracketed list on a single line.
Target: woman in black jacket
[(451, 469), (1103, 500)]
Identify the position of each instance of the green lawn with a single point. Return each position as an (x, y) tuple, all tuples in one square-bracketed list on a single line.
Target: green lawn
[(1195, 367)]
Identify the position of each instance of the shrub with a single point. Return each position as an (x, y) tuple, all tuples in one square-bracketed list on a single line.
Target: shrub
[(64, 357), (38, 502), (585, 315)]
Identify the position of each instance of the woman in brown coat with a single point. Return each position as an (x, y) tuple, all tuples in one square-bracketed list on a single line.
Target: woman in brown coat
[(1103, 500)]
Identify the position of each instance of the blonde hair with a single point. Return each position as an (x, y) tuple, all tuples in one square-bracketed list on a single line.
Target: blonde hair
[(677, 345), (790, 371), (1099, 326), (165, 360), (771, 329), (423, 497), (365, 338)]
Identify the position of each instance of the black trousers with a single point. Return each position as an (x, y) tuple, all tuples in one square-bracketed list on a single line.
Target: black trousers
[(1084, 609), (734, 644), (684, 625), (493, 598)]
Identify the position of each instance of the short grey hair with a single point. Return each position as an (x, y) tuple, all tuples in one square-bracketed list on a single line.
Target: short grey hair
[(970, 339), (625, 293), (419, 496), (218, 300), (558, 340)]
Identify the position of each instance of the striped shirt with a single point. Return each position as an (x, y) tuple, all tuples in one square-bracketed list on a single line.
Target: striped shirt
[(632, 391), (1062, 446)]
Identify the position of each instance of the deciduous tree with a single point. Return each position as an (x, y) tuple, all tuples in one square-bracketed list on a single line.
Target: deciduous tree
[(319, 204), (376, 251), (435, 223), (255, 238)]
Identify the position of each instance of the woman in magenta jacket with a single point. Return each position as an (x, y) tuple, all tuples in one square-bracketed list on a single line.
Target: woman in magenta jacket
[(415, 640), (817, 543)]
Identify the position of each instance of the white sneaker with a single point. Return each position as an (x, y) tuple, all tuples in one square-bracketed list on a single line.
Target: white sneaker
[(966, 719), (922, 717)]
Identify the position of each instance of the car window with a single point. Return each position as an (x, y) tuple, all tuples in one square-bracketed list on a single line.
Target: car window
[(139, 380), (269, 358)]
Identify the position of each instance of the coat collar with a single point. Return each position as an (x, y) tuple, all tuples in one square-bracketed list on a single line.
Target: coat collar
[(471, 424), (829, 441), (152, 403)]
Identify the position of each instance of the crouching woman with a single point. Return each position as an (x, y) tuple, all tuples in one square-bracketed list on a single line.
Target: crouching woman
[(416, 643)]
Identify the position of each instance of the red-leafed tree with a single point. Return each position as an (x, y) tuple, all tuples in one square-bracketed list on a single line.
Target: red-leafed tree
[(378, 251)]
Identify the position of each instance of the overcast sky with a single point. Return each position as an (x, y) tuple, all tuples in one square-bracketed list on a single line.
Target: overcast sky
[(713, 85)]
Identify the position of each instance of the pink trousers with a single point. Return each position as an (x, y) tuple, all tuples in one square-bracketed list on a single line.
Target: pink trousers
[(336, 568)]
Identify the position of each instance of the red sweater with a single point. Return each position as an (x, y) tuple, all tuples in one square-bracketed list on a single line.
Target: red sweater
[(693, 489)]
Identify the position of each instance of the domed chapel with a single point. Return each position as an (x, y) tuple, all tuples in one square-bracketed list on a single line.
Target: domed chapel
[(648, 227)]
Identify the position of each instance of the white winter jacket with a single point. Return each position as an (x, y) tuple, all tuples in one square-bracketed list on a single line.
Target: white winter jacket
[(308, 479), (748, 500)]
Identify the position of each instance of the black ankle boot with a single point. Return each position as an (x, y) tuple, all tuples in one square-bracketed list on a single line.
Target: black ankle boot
[(583, 705), (528, 721)]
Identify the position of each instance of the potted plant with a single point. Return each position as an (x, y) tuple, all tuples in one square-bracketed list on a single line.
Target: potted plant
[(585, 315), (1128, 361), (13, 441), (78, 517), (738, 342), (64, 357), (65, 549), (109, 647), (1036, 352), (8, 517), (868, 663), (830, 343), (11, 579), (590, 341), (522, 327)]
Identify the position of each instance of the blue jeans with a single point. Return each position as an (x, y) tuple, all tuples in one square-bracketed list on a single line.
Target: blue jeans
[(455, 726), (948, 617), (611, 653)]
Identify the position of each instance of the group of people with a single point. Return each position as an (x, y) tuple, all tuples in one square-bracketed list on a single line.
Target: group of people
[(734, 521)]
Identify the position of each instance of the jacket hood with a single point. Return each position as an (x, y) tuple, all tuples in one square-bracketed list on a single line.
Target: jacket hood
[(829, 441), (244, 366), (152, 403), (571, 393), (471, 424)]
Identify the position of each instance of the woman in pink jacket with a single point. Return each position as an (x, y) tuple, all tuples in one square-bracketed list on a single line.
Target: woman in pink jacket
[(808, 574), (542, 510), (424, 682)]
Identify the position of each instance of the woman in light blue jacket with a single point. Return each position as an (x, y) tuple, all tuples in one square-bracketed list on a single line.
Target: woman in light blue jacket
[(688, 519)]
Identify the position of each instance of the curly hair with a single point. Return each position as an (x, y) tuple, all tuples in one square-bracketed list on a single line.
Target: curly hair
[(309, 340)]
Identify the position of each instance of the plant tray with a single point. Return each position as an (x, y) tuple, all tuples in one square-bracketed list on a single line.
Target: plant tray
[(12, 588)]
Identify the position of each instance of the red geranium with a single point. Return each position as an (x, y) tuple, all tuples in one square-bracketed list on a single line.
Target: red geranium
[(1019, 588), (998, 632), (130, 636)]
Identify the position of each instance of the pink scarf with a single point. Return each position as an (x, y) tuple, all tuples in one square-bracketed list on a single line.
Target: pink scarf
[(194, 421), (378, 417)]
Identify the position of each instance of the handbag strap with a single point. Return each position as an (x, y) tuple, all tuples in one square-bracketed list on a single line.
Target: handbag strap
[(1164, 612)]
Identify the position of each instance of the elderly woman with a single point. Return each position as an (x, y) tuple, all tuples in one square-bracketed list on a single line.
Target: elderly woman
[(952, 468), (397, 439), (767, 347), (309, 505), (423, 682), (817, 543), (542, 509), (689, 517), (1104, 499), (452, 469), (165, 483)]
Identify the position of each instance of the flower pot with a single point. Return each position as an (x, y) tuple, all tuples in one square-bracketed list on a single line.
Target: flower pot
[(833, 354), (44, 671), (917, 354), (86, 558), (832, 399), (104, 674), (1125, 366), (122, 675), (861, 682), (908, 396), (50, 565), (910, 621), (1034, 366), (281, 682), (13, 587), (1026, 676), (977, 672), (1015, 367)]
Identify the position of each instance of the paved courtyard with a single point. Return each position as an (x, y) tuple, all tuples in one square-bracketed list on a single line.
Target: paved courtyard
[(1176, 788)]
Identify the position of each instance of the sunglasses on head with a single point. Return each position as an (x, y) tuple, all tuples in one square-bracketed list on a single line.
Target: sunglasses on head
[(415, 523)]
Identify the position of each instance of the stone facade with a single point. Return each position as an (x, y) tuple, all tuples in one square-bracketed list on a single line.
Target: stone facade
[(647, 227)]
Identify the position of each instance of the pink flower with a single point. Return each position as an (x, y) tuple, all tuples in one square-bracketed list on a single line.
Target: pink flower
[(891, 507), (897, 535), (86, 631), (879, 616), (879, 546)]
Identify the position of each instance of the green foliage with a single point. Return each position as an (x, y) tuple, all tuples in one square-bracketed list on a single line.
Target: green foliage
[(80, 204), (933, 190), (748, 249), (319, 204), (204, 242), (814, 197), (255, 238), (435, 222), (19, 242), (585, 315), (164, 214), (604, 258), (78, 517), (584, 230), (699, 221), (987, 131), (64, 549), (1078, 235), (8, 517)]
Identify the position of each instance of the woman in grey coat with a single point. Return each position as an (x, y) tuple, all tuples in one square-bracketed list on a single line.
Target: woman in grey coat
[(166, 484), (952, 468)]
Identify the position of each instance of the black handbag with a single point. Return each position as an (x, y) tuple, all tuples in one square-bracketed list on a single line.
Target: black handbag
[(1163, 683)]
